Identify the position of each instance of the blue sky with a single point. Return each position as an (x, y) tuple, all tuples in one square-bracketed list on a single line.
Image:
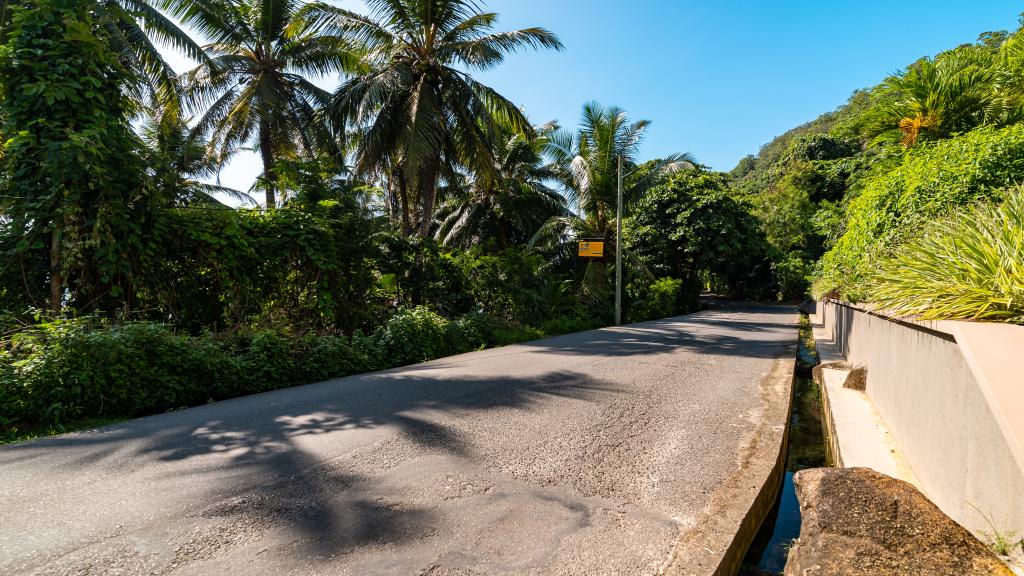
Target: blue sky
[(718, 78)]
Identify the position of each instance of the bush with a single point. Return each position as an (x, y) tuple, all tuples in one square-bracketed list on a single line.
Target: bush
[(72, 370), (516, 334), (415, 335), (216, 269), (69, 370), (569, 325), (660, 299), (792, 274), (823, 147), (511, 285), (968, 267), (933, 179)]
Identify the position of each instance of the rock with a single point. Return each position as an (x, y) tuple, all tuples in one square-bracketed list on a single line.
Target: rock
[(856, 521)]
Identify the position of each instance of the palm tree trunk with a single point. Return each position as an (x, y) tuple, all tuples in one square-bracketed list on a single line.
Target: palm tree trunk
[(400, 197), (428, 197), (267, 153), (56, 270), (406, 218)]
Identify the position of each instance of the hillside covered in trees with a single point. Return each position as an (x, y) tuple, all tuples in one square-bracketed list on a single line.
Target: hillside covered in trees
[(907, 196)]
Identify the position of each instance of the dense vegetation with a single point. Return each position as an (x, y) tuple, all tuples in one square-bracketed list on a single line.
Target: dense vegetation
[(413, 212), (868, 202), (408, 214)]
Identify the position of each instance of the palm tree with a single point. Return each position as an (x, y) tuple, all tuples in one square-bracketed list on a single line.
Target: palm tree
[(936, 98), (509, 203), (182, 162), (585, 163), (422, 113), (257, 88)]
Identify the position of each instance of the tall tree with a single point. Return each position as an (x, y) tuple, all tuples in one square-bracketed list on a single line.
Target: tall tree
[(508, 204), (72, 178), (181, 162), (257, 88), (422, 113), (585, 163)]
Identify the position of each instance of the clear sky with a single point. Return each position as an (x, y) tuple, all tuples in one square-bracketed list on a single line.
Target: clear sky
[(718, 78)]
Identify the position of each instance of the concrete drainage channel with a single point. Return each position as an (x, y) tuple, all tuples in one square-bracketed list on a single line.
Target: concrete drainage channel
[(806, 448)]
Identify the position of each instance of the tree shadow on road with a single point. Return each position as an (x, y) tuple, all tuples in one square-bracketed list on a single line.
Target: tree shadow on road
[(274, 478), (258, 453)]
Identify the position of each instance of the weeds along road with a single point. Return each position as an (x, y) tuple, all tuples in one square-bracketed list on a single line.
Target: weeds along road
[(607, 452)]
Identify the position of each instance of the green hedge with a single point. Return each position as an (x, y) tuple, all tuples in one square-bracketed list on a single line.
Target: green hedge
[(85, 369), (933, 179)]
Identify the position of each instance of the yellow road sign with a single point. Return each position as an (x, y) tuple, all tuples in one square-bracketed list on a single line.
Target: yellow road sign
[(589, 249)]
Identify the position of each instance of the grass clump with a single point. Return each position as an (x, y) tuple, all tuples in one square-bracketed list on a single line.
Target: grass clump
[(968, 267)]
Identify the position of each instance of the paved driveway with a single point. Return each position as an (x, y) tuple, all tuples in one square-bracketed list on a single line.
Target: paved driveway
[(604, 452)]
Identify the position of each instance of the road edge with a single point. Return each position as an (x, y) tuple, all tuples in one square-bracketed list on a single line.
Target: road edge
[(719, 542)]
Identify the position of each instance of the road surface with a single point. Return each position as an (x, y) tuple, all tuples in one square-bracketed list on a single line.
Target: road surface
[(604, 452)]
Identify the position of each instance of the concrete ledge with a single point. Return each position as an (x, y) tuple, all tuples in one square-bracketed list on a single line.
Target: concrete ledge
[(856, 435)]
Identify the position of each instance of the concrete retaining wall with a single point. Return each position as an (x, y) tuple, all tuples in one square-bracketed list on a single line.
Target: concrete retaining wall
[(955, 439)]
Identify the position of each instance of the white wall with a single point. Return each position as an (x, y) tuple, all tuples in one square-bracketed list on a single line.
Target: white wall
[(926, 393)]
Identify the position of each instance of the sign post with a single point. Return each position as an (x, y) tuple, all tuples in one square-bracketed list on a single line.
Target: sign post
[(618, 252)]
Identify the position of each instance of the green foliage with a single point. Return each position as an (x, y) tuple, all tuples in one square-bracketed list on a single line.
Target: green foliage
[(508, 204), (816, 147), (955, 92), (223, 268), (255, 89), (420, 272), (932, 180), (967, 267), (427, 114), (793, 274), (417, 335), (516, 286), (661, 299), (690, 225), (63, 371), (72, 183)]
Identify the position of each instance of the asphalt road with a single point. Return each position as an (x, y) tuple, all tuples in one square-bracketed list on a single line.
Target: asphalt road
[(593, 453)]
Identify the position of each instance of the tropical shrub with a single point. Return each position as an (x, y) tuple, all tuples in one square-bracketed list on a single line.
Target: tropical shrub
[(512, 285), (970, 266), (933, 179), (660, 299), (415, 335), (823, 147), (67, 370)]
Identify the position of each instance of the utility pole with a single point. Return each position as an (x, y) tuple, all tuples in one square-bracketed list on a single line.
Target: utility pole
[(618, 252)]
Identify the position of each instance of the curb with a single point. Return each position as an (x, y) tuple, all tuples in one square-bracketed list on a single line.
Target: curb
[(719, 542)]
